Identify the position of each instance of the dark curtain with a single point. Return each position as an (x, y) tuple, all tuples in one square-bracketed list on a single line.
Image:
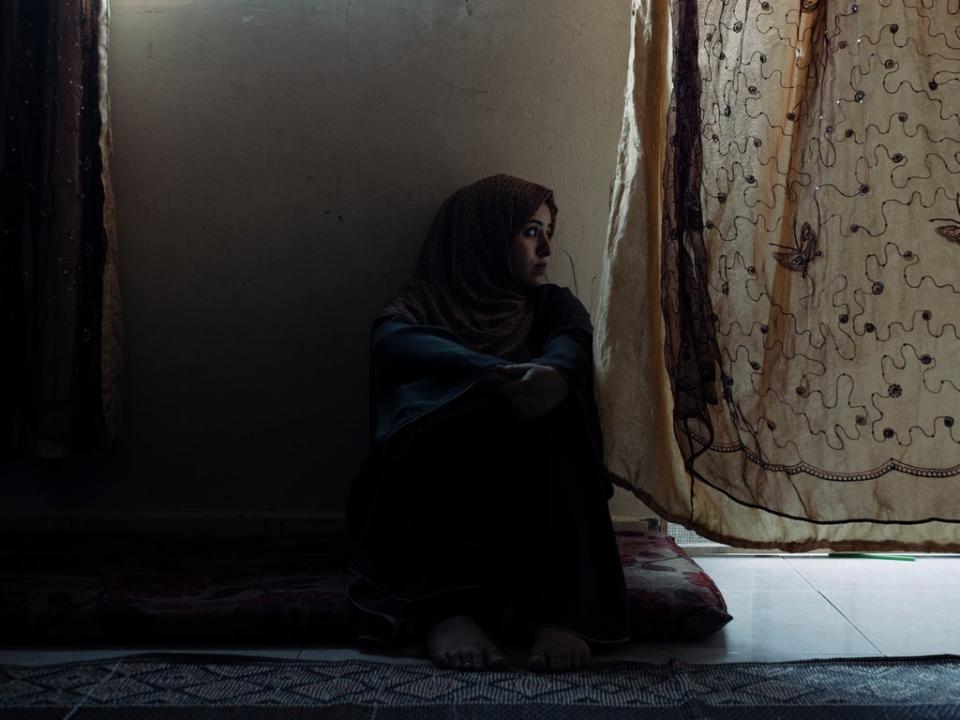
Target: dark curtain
[(691, 353), (53, 243)]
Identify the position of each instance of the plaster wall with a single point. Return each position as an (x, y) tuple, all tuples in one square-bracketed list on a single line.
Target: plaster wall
[(277, 164)]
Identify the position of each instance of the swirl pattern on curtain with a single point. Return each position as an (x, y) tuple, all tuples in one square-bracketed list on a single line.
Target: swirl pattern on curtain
[(810, 268)]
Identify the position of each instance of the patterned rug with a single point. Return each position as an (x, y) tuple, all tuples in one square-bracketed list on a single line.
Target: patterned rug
[(187, 685)]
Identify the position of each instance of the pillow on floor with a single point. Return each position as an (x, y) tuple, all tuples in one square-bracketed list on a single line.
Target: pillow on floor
[(671, 597)]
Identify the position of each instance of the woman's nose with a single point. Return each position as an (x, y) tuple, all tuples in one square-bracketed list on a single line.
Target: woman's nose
[(543, 247)]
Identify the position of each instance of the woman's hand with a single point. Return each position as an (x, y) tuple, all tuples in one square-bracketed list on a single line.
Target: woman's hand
[(530, 390)]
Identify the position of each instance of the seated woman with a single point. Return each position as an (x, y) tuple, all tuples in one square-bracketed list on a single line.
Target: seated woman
[(482, 506)]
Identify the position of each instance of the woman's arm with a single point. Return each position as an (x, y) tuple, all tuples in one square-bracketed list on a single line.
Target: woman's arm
[(419, 375), (564, 334), (402, 350)]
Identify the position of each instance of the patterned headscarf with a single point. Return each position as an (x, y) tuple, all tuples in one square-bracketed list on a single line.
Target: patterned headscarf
[(462, 280)]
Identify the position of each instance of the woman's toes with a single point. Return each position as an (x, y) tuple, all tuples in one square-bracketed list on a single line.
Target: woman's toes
[(562, 649), (495, 660), (537, 662), (459, 643), (492, 658)]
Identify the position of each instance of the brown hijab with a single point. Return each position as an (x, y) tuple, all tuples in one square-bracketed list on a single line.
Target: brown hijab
[(462, 281)]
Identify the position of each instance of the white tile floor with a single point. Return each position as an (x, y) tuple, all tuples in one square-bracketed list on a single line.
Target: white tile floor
[(784, 608)]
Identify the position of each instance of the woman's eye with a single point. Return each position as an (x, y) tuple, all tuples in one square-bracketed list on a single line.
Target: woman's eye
[(531, 232)]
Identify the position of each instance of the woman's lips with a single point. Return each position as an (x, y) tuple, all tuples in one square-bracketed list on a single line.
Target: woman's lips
[(540, 268)]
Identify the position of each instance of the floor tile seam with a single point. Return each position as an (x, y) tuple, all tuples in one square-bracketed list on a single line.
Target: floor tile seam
[(835, 607), (80, 704), (832, 605), (765, 589), (853, 624), (807, 580)]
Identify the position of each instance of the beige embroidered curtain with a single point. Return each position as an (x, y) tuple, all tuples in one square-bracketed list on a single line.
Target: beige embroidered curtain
[(777, 338)]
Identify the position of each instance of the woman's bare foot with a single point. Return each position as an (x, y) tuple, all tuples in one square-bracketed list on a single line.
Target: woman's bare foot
[(558, 649), (459, 643)]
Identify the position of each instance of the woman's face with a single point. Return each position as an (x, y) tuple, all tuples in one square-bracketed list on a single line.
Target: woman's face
[(530, 250)]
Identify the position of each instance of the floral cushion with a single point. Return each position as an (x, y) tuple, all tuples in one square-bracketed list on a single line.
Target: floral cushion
[(290, 589), (671, 597)]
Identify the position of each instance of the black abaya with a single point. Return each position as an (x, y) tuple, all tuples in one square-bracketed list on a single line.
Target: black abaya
[(462, 509)]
